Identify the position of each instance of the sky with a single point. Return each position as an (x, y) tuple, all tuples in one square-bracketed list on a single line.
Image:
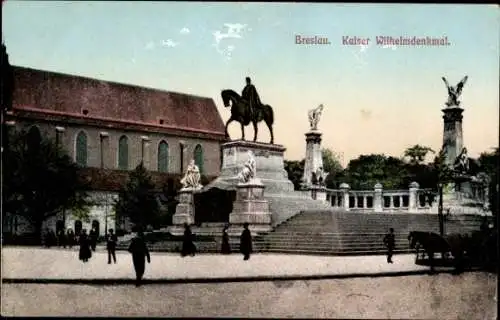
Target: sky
[(377, 99)]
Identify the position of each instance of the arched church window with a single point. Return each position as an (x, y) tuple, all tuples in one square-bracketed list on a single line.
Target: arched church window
[(163, 157), (123, 153), (198, 157), (81, 149)]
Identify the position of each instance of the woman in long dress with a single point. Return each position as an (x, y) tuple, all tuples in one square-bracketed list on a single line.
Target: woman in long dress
[(226, 247), (85, 253), (188, 247)]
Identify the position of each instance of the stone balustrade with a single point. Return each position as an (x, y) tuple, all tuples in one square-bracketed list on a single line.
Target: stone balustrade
[(412, 200)]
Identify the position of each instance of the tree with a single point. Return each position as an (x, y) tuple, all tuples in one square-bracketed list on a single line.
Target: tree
[(443, 176), (365, 171), (40, 180), (489, 164), (332, 165), (295, 170), (137, 199), (417, 153)]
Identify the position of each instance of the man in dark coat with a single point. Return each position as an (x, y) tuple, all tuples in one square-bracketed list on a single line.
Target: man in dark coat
[(139, 251), (61, 238), (390, 242), (246, 242), (250, 94), (188, 247), (112, 239), (70, 236), (93, 238), (85, 253)]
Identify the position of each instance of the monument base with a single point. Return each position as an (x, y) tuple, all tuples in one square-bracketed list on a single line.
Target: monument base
[(318, 193), (251, 207), (284, 202), (184, 212), (269, 160), (461, 198)]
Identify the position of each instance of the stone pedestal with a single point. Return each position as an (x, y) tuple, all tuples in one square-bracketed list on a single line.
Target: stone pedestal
[(270, 166), (452, 133), (184, 212), (318, 193), (314, 159), (412, 198), (250, 207), (345, 195)]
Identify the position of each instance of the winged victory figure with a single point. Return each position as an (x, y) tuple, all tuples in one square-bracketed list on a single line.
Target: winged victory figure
[(454, 92)]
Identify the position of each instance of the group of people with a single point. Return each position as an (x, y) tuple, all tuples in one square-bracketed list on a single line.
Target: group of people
[(69, 238), (88, 244), (189, 248)]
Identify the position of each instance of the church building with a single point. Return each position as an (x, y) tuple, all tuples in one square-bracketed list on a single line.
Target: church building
[(108, 129)]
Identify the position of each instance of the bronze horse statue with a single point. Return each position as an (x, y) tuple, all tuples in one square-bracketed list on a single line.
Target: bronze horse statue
[(240, 111)]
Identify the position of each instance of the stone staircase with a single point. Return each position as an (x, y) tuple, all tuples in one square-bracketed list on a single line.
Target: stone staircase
[(348, 233), (326, 233)]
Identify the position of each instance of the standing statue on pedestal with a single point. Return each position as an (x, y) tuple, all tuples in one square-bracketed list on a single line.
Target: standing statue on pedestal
[(454, 92), (247, 109), (191, 179), (249, 169), (314, 116), (462, 162)]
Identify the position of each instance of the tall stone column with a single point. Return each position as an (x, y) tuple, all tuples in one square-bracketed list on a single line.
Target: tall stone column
[(314, 159), (412, 198), (452, 133), (377, 198)]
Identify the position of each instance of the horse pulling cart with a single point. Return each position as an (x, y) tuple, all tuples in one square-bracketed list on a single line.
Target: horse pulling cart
[(456, 249)]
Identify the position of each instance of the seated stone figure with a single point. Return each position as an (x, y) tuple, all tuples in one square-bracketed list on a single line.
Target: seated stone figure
[(191, 179), (248, 172)]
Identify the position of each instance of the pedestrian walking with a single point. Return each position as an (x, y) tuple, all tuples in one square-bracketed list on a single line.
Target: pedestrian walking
[(85, 253), (246, 242), (70, 237), (93, 238), (139, 251), (390, 242), (226, 247), (111, 241), (188, 247), (61, 238)]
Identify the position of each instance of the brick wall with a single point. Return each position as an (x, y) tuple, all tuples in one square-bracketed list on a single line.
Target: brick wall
[(211, 149)]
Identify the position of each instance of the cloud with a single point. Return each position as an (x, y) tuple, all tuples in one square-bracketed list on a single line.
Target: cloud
[(232, 31), (169, 43), (185, 31)]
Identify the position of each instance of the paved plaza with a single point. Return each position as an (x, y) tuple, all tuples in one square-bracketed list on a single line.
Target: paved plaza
[(63, 264)]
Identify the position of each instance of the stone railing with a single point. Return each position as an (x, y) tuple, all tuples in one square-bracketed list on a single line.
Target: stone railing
[(413, 200)]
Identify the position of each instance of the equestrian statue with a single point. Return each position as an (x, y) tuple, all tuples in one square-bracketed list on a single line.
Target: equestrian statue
[(247, 109)]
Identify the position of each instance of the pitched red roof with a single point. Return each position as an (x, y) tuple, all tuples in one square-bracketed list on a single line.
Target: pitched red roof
[(75, 96)]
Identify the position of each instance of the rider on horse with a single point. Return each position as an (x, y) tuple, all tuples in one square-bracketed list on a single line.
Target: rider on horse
[(250, 94)]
